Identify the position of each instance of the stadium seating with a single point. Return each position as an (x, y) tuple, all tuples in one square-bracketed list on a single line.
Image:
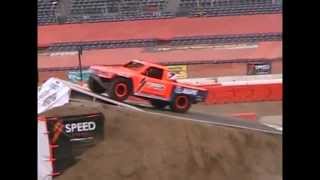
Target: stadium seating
[(46, 11), (237, 8), (120, 10), (99, 10)]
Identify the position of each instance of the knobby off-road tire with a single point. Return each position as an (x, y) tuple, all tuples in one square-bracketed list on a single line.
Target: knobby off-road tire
[(180, 104)]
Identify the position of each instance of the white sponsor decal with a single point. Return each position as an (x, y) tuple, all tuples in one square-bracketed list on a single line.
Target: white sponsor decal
[(190, 91), (155, 86), (80, 127), (263, 67), (186, 91), (64, 53), (49, 99)]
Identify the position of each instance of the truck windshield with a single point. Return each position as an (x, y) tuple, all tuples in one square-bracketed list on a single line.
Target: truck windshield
[(133, 65)]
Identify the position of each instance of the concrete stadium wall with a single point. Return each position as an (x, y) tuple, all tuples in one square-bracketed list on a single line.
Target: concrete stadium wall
[(276, 67), (209, 70), (226, 69)]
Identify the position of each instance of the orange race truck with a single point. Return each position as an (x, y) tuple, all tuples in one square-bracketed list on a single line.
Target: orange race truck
[(145, 80)]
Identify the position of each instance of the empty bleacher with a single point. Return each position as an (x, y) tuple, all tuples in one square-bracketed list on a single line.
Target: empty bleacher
[(117, 10), (228, 7), (46, 11)]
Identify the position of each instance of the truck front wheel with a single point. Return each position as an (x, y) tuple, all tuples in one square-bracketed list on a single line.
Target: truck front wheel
[(181, 104)]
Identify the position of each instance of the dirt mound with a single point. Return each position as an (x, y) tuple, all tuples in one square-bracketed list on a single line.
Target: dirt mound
[(144, 146)]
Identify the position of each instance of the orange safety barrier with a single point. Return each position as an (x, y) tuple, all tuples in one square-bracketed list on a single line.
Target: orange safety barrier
[(219, 94)]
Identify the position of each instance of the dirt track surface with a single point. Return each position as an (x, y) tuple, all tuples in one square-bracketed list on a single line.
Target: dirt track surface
[(260, 108), (142, 146), (221, 115)]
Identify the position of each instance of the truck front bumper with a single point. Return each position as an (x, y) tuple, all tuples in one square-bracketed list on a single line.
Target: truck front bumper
[(201, 97)]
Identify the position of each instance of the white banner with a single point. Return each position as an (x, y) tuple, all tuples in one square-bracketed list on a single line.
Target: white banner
[(53, 93), (44, 166)]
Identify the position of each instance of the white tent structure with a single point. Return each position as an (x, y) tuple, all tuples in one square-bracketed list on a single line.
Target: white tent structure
[(53, 93), (45, 168)]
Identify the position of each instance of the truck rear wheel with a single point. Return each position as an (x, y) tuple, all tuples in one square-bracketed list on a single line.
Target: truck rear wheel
[(120, 89), (94, 86), (181, 104), (158, 103)]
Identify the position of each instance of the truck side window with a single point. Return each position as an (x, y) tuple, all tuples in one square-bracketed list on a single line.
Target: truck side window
[(154, 73)]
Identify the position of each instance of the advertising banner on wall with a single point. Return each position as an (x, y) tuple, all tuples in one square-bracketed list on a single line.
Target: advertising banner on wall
[(73, 135), (78, 127), (259, 68), (180, 71)]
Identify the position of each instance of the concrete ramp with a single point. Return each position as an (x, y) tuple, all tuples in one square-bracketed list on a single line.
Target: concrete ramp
[(142, 146)]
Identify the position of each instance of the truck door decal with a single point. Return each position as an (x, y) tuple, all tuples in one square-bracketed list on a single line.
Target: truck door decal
[(141, 84), (156, 86)]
